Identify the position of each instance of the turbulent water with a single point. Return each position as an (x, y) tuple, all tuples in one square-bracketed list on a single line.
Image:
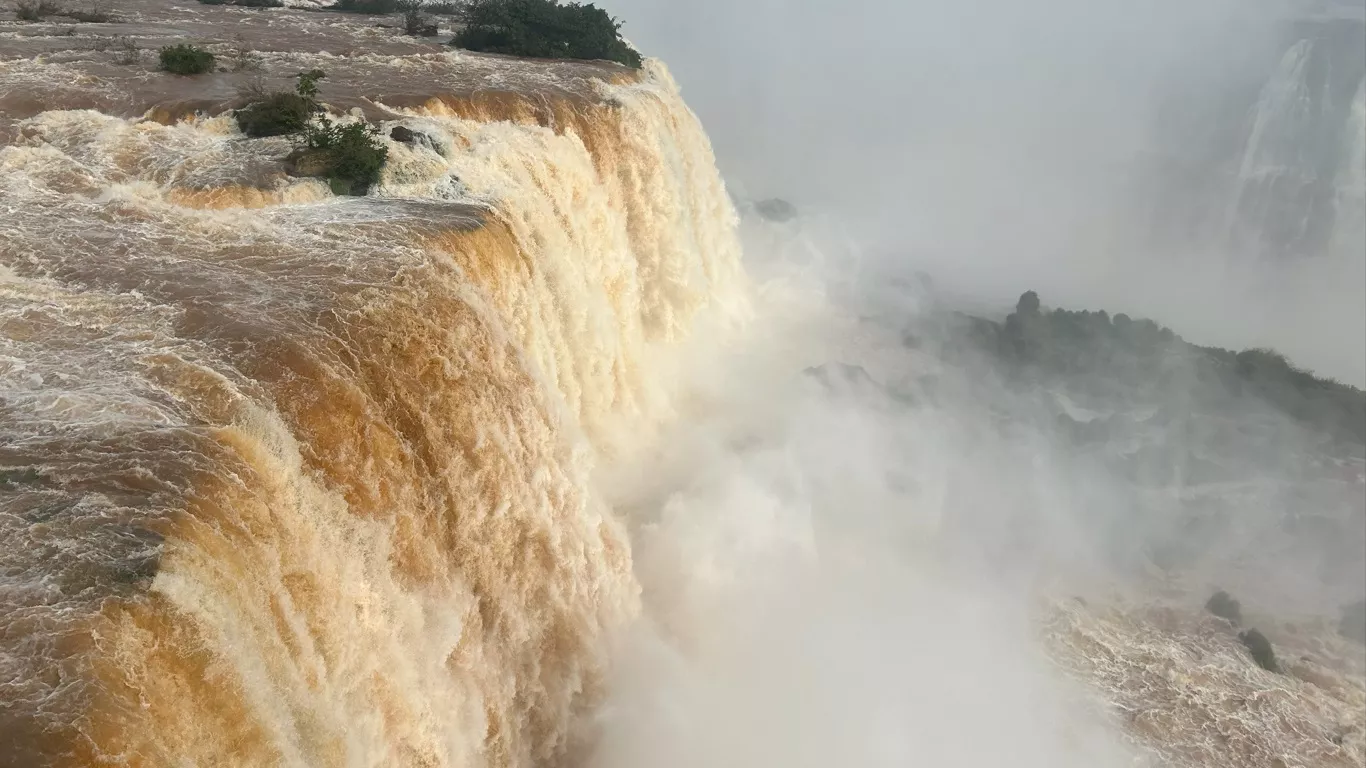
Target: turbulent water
[(289, 479)]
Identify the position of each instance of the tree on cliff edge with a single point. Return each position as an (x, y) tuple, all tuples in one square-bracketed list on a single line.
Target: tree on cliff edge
[(543, 29)]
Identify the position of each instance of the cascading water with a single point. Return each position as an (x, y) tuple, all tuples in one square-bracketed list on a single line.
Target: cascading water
[(1257, 161), (296, 480), (1276, 166), (413, 479), (1349, 225)]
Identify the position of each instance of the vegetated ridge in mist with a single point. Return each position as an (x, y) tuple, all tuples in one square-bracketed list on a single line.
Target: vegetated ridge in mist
[(1105, 154)]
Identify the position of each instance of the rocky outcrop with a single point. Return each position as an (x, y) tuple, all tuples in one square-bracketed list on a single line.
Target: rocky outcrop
[(1223, 605), (405, 135), (308, 162), (1261, 650)]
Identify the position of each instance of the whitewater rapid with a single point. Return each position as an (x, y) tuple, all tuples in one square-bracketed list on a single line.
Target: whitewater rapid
[(299, 480)]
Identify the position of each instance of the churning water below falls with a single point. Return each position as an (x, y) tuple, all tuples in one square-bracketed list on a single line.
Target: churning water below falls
[(513, 460)]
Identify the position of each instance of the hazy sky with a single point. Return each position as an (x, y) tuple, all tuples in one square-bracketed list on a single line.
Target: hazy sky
[(994, 142)]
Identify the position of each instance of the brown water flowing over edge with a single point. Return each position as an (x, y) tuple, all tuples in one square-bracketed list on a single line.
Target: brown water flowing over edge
[(287, 479), (293, 480)]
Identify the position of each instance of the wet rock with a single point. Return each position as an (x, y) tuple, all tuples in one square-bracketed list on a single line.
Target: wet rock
[(1353, 623), (776, 209), (405, 135), (1260, 648), (1223, 605), (308, 162)]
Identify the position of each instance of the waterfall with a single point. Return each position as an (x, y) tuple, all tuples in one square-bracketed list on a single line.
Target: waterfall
[(291, 479)]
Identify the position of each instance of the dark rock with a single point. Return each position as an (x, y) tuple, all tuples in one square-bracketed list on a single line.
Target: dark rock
[(1223, 605), (776, 209), (308, 162), (1353, 623), (1260, 648), (405, 135)]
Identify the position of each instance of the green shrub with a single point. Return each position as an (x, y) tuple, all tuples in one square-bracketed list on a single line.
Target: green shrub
[(375, 7), (353, 153), (96, 15), (279, 114), (282, 113), (126, 51), (35, 10), (186, 60), (543, 29), (349, 156), (415, 23)]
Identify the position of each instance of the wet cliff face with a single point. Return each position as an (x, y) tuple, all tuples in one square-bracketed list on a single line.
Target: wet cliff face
[(1266, 159), (294, 479)]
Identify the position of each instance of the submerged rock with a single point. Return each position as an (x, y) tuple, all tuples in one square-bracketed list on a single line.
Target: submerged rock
[(1223, 605), (1260, 648)]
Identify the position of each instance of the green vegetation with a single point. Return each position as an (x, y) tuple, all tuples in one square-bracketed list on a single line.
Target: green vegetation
[(186, 60), (350, 156), (374, 7), (415, 23), (543, 29), (35, 10), (126, 51), (278, 114), (95, 15), (1141, 355), (247, 3), (282, 113), (241, 57)]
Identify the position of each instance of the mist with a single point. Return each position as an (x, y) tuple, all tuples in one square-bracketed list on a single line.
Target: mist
[(999, 146), (829, 581), (861, 572)]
